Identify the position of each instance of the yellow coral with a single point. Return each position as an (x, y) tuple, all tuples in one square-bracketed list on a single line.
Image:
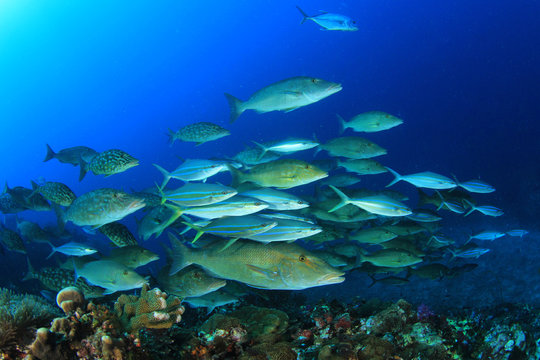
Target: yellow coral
[(153, 309)]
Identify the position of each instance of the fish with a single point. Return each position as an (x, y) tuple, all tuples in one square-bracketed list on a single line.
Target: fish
[(108, 163), (198, 194), (235, 206), (341, 180), (450, 204), (484, 209), (286, 230), (27, 199), (151, 199), (517, 233), (188, 282), (8, 205), (110, 275), (475, 186), (402, 243), (285, 95), (405, 228), (469, 253), (32, 232), (157, 220), (72, 249), (376, 204), (11, 240), (282, 174), (362, 166), (327, 165), (252, 156), (391, 258), (56, 279), (276, 199), (371, 121), (486, 235), (276, 215), (328, 21), (132, 256), (352, 147), (56, 192), (267, 266), (375, 235), (426, 179), (438, 241), (118, 233), (71, 155), (193, 170), (288, 146), (102, 206), (199, 133), (423, 215), (234, 227), (212, 300), (430, 271), (332, 259)]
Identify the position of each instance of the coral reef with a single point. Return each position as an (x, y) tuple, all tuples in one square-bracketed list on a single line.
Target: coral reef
[(153, 309), (20, 314), (69, 299)]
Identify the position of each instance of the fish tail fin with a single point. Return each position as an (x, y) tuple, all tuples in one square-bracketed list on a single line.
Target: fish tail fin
[(172, 136), (442, 200), (238, 177), (306, 16), (344, 199), (471, 206), (457, 183), (30, 272), (422, 197), (199, 230), (454, 254), (177, 212), (373, 280), (179, 255), (166, 175), (52, 252), (264, 150), (342, 124), (35, 188), (235, 106), (397, 177), (84, 168), (161, 194), (50, 154)]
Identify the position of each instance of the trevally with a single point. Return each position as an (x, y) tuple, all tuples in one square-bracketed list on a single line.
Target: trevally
[(484, 209), (193, 170), (285, 95), (198, 194), (371, 121), (72, 249), (235, 206), (329, 21), (266, 266), (276, 199), (286, 230), (287, 146), (375, 204), (426, 179)]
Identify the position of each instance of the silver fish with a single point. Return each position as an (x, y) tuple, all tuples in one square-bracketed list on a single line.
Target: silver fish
[(330, 21), (426, 179)]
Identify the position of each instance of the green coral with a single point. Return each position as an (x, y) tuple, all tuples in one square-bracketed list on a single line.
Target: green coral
[(19, 315), (154, 309)]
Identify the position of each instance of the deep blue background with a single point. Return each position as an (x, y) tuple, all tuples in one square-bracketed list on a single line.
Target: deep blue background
[(464, 75)]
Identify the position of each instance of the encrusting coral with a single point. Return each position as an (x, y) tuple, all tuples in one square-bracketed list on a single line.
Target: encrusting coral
[(153, 309)]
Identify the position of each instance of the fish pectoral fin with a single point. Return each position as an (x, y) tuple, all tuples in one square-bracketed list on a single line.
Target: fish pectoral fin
[(266, 273), (290, 92)]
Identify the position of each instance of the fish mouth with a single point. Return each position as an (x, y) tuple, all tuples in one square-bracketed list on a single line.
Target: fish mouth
[(334, 88), (137, 204), (333, 278)]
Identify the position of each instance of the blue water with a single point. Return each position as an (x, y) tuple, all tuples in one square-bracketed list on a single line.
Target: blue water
[(463, 75)]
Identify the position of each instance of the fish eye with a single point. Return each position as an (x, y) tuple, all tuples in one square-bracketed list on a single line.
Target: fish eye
[(197, 275), (125, 272), (314, 80), (258, 203), (224, 192), (300, 202), (302, 258)]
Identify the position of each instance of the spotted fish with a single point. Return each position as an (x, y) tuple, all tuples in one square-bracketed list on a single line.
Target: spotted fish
[(108, 162), (56, 192), (118, 233), (199, 133)]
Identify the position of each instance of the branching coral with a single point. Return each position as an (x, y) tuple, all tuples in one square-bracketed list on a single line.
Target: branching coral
[(154, 309)]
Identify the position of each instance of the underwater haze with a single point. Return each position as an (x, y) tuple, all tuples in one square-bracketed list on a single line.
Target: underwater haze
[(462, 78)]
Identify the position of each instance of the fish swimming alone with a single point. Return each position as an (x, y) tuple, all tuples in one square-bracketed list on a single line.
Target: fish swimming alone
[(199, 133), (285, 95), (329, 21)]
